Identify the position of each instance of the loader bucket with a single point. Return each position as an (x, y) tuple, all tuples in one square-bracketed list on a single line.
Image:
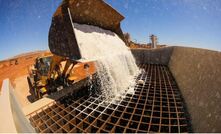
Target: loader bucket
[(62, 40)]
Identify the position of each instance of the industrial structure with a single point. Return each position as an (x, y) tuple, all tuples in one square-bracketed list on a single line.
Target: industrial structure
[(153, 39), (174, 97)]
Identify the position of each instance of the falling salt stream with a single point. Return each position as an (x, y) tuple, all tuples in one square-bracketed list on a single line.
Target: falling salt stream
[(116, 66)]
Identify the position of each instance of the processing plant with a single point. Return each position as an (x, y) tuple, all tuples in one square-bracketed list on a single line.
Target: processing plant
[(176, 90)]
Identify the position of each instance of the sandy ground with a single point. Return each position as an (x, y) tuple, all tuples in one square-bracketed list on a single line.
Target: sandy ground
[(22, 90)]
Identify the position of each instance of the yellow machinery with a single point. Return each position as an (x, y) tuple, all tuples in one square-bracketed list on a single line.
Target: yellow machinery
[(63, 68), (52, 73)]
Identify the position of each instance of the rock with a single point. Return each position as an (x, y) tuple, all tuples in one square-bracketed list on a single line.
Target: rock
[(141, 82)]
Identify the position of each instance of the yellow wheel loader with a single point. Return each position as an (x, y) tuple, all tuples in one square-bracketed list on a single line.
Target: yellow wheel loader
[(53, 73), (63, 68)]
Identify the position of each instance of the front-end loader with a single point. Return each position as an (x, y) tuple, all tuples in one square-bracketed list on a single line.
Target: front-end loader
[(65, 66)]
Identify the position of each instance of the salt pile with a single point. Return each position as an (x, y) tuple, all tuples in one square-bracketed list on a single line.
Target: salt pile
[(115, 64)]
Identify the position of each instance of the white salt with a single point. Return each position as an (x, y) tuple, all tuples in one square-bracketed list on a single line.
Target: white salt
[(141, 82), (115, 64)]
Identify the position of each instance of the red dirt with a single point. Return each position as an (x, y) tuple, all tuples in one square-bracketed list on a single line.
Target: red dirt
[(8, 68)]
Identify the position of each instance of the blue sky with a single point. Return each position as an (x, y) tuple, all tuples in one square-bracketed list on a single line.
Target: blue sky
[(24, 24)]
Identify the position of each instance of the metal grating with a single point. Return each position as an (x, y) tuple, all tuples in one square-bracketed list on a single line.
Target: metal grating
[(155, 106)]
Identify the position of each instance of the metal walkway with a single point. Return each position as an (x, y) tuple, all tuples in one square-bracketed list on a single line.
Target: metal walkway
[(156, 106)]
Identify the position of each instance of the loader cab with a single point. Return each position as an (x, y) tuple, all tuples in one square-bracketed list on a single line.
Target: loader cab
[(37, 78), (42, 64)]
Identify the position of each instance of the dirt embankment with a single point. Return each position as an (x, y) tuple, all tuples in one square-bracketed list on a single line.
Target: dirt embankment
[(18, 66)]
